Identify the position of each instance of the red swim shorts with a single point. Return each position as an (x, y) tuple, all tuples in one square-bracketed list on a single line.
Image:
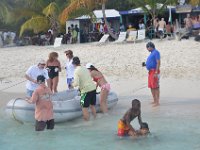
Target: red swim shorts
[(122, 129), (153, 80)]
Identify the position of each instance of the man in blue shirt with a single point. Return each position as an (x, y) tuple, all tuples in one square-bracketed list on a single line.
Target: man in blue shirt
[(153, 66)]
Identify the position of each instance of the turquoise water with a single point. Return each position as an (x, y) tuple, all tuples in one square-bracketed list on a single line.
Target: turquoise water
[(174, 126)]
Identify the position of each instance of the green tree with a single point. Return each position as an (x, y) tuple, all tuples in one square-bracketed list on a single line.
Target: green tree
[(5, 8), (152, 7), (43, 20), (194, 2)]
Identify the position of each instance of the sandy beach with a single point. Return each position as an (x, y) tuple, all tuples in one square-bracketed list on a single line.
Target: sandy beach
[(171, 123), (120, 63)]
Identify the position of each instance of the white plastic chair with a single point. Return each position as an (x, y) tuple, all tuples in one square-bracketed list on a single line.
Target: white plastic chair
[(104, 38), (121, 38), (132, 36), (141, 34), (57, 42)]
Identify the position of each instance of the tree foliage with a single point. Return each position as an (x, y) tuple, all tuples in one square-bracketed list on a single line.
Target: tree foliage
[(48, 18), (76, 5), (154, 7), (194, 2), (37, 24)]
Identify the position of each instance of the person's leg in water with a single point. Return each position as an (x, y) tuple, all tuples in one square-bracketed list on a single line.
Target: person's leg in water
[(92, 107), (103, 100), (92, 96), (157, 96), (86, 114), (153, 95), (85, 103)]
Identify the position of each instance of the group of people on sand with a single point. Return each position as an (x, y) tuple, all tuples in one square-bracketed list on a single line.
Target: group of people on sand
[(77, 76), (83, 77)]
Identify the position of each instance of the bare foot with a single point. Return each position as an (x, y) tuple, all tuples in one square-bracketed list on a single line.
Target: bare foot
[(156, 104), (152, 102)]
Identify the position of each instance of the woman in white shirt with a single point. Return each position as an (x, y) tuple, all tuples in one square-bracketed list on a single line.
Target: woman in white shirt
[(69, 68)]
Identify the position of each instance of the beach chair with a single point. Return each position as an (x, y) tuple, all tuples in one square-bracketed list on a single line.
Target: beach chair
[(57, 42), (104, 38), (141, 35), (132, 36), (121, 38)]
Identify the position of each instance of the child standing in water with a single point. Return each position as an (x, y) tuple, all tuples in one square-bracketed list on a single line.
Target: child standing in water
[(124, 124), (44, 107)]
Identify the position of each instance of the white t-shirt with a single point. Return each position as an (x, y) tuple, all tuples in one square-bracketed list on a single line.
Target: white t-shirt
[(34, 72), (70, 69)]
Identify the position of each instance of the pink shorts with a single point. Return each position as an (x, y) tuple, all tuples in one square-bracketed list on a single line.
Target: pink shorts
[(153, 81), (105, 87)]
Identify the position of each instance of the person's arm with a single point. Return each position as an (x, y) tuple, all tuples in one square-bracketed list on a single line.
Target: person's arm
[(59, 67), (140, 119), (157, 62), (76, 80), (48, 83), (157, 66), (128, 120), (34, 98), (30, 79)]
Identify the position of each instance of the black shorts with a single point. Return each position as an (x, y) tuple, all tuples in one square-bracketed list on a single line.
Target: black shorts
[(40, 125), (88, 99)]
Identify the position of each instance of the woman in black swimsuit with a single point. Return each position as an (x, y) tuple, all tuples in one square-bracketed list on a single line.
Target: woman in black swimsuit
[(53, 66)]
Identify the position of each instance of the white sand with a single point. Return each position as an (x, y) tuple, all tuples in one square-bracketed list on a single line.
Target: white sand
[(120, 63)]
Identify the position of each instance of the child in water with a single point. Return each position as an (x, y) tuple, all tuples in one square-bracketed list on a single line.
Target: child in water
[(124, 125), (144, 130)]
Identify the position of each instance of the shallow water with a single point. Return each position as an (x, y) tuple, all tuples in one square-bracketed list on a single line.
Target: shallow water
[(174, 126)]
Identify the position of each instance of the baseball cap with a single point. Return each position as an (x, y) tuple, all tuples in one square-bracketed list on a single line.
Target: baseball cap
[(41, 61), (89, 65)]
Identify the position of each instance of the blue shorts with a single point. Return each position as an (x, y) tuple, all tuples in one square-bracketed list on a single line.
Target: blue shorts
[(29, 93), (69, 82)]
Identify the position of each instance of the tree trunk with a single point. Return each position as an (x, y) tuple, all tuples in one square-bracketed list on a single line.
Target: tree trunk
[(106, 22), (55, 27)]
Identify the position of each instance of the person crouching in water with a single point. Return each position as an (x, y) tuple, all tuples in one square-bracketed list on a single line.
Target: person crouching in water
[(44, 106), (102, 83), (83, 80), (124, 124)]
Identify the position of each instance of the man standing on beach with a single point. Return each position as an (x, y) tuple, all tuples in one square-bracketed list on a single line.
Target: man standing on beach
[(161, 27), (153, 66), (31, 75)]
